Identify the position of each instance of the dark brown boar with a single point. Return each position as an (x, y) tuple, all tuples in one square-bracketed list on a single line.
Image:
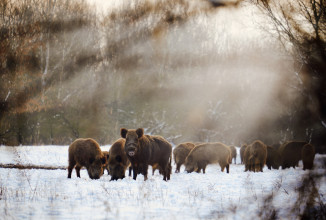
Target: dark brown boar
[(118, 160), (242, 151), (308, 156), (105, 166), (255, 156), (180, 153), (291, 153), (234, 153), (143, 150), (273, 159), (86, 153), (202, 155)]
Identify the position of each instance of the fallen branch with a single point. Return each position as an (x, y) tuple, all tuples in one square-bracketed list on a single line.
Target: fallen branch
[(19, 166)]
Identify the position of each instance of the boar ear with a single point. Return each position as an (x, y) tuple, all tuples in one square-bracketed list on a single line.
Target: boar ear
[(103, 160), (91, 160), (140, 132), (123, 132), (118, 158)]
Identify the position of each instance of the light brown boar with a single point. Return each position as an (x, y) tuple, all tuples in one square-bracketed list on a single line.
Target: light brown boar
[(209, 153), (291, 153), (308, 156), (86, 153), (242, 152), (180, 153), (234, 153), (118, 161), (255, 156)]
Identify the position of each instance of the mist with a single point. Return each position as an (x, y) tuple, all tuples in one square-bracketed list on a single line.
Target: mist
[(213, 76), (182, 69)]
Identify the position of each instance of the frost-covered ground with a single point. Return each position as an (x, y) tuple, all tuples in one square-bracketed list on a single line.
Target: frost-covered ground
[(48, 194)]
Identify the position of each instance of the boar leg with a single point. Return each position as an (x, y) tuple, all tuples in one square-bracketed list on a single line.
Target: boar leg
[(177, 170), (144, 171), (252, 165), (166, 169), (69, 171), (78, 170), (72, 163), (227, 168), (164, 172), (222, 165), (203, 165), (130, 169), (135, 172), (199, 166), (169, 171), (204, 168), (256, 167)]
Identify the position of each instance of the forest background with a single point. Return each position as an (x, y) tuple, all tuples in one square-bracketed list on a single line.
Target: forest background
[(232, 71)]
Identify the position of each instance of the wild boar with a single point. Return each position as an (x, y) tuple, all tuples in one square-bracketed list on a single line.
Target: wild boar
[(308, 156), (180, 153), (255, 156), (118, 161), (273, 159), (202, 155), (143, 150), (291, 153), (86, 153)]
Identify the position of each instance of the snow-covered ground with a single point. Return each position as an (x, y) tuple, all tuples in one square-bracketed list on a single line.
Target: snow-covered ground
[(49, 194)]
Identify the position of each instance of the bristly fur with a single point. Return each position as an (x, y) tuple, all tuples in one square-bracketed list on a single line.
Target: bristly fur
[(143, 150)]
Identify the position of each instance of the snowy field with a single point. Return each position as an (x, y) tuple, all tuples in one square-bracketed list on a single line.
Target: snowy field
[(48, 194)]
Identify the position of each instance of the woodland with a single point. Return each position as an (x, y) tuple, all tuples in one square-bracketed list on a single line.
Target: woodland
[(174, 68)]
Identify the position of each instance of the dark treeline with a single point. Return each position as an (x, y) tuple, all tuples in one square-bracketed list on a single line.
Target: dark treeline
[(68, 72), (300, 26)]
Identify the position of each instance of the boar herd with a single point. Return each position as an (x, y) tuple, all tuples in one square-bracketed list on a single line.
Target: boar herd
[(136, 151)]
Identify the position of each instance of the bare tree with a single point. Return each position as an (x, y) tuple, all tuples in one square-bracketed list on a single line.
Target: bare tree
[(301, 27)]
